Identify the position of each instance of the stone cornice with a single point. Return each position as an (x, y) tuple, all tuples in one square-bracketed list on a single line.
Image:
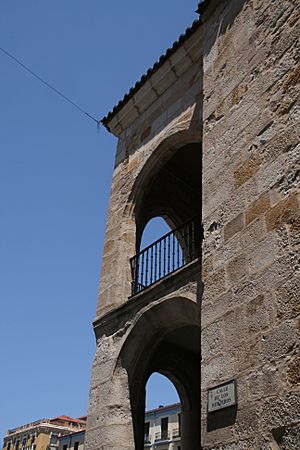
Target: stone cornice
[(117, 318)]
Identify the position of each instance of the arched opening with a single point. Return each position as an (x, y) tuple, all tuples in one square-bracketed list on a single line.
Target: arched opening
[(154, 229), (166, 339), (160, 391), (161, 253), (171, 191), (162, 413)]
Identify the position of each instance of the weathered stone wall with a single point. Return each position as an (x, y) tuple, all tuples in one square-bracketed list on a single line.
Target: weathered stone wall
[(168, 111), (110, 416), (250, 309), (250, 259), (162, 117)]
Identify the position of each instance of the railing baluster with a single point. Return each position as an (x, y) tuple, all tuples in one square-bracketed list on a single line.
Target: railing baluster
[(142, 281), (184, 248), (159, 263), (168, 254), (173, 252), (155, 262), (146, 280), (151, 265), (178, 253), (188, 242), (164, 273)]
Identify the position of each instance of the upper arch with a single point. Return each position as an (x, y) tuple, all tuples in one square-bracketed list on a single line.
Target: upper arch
[(169, 183)]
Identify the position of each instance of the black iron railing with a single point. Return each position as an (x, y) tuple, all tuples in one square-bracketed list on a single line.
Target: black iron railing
[(166, 255)]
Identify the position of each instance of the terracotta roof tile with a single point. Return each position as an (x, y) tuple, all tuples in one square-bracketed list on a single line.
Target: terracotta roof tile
[(67, 419)]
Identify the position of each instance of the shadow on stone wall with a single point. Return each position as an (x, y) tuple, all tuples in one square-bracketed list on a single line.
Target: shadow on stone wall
[(223, 14), (222, 418)]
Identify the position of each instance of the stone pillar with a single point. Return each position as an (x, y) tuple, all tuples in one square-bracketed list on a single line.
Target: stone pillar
[(190, 430), (109, 418)]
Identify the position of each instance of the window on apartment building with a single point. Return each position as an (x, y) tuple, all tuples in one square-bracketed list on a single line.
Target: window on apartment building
[(65, 447), (146, 432), (76, 445), (17, 445), (9, 446), (164, 427)]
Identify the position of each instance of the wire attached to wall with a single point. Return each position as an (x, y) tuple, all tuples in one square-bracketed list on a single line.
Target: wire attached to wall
[(51, 87)]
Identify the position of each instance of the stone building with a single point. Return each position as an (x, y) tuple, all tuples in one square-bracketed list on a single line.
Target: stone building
[(208, 139)]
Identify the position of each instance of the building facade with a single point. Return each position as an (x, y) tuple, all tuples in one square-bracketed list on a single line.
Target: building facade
[(208, 139), (161, 431), (42, 434), (72, 441), (162, 428)]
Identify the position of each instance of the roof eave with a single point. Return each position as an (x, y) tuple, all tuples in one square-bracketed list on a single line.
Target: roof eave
[(112, 121)]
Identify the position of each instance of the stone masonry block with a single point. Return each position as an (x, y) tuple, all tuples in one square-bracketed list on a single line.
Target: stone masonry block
[(235, 328), (215, 284), (280, 341), (231, 249), (249, 354), (283, 211), (246, 170), (257, 315), (282, 411), (211, 340), (216, 309), (287, 295), (248, 419), (293, 372), (263, 383), (292, 78), (234, 226), (241, 444), (263, 254), (214, 437), (294, 231), (282, 142), (218, 369), (254, 233), (237, 268), (258, 207)]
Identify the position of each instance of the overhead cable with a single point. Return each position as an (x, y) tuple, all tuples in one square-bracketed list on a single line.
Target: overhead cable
[(50, 86)]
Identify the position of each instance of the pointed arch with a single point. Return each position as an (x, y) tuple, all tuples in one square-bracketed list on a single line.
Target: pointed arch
[(165, 338)]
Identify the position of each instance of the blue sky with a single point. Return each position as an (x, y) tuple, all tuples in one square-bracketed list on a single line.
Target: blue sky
[(55, 174)]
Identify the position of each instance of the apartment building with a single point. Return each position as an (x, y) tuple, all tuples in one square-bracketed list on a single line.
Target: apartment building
[(43, 434), (72, 441), (162, 428)]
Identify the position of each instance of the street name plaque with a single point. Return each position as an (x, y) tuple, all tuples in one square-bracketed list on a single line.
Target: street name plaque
[(222, 396)]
